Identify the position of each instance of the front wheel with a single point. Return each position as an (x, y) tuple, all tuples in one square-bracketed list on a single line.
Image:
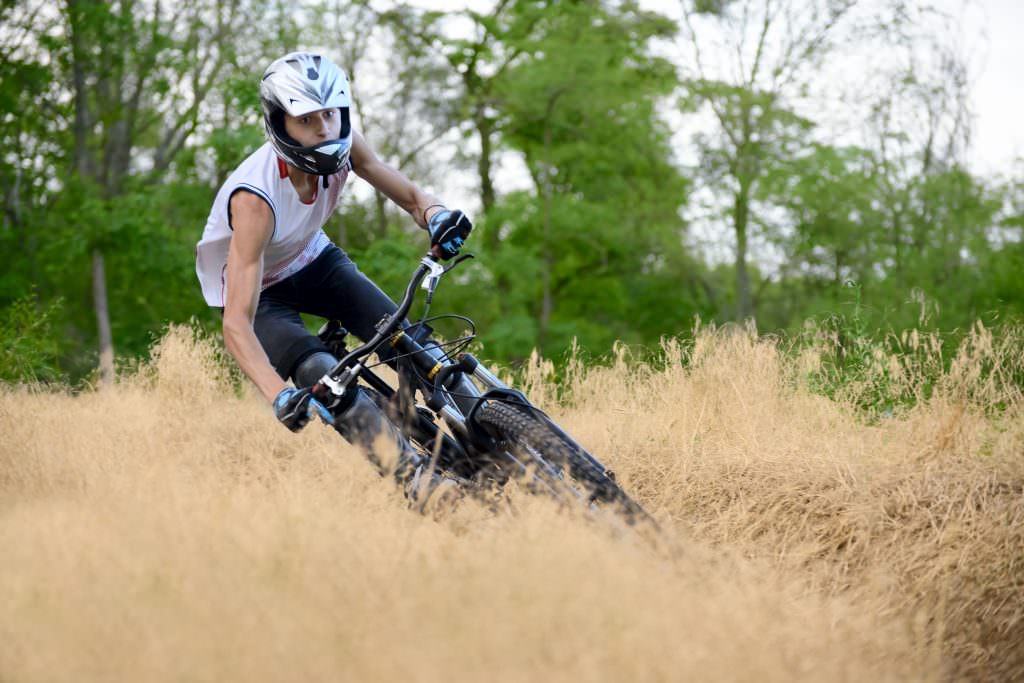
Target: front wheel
[(522, 430)]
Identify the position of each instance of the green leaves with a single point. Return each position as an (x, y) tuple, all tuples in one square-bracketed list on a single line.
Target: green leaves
[(28, 344), (568, 98)]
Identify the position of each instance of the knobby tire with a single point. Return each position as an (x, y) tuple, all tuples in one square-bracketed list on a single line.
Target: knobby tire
[(523, 431)]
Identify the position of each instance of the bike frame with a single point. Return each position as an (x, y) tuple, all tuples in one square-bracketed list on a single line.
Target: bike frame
[(429, 359), (448, 392)]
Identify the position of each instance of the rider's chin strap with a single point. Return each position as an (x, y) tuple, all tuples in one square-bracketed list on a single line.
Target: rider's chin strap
[(325, 181)]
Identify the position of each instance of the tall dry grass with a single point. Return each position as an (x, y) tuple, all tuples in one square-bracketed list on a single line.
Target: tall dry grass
[(169, 529)]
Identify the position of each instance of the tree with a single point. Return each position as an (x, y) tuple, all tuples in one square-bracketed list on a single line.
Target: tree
[(752, 65), (471, 72), (25, 84), (581, 105), (136, 73), (919, 123), (468, 71), (830, 197), (107, 102), (400, 115)]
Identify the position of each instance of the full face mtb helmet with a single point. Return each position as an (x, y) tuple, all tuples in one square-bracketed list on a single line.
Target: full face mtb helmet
[(298, 84)]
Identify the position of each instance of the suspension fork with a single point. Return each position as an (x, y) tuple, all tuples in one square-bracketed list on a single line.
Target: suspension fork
[(432, 362)]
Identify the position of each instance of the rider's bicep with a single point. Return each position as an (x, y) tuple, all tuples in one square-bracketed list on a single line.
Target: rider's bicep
[(252, 223)]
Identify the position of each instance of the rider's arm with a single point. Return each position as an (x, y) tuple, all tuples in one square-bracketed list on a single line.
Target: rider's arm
[(392, 183), (253, 224)]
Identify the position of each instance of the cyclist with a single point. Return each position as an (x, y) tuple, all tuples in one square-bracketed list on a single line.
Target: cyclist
[(264, 257)]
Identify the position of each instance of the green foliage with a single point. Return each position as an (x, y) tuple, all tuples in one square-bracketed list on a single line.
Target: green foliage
[(603, 205), (1004, 282), (851, 359), (590, 249), (884, 372), (148, 235), (713, 7), (28, 343)]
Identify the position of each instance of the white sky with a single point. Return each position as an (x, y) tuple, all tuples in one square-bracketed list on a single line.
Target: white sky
[(991, 36), (999, 93)]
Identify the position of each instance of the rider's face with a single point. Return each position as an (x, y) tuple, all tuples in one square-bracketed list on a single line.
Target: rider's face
[(314, 127)]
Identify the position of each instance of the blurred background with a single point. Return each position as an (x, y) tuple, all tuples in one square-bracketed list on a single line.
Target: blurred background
[(631, 167)]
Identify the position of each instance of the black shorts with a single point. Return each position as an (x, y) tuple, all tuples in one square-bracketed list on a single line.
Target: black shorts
[(331, 287)]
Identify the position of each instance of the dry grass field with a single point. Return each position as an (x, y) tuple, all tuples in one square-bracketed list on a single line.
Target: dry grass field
[(170, 530)]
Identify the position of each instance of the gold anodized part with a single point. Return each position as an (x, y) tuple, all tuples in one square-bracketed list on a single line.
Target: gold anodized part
[(397, 337), (434, 370)]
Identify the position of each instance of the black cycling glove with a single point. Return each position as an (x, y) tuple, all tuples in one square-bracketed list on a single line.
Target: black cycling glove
[(448, 232), (294, 407)]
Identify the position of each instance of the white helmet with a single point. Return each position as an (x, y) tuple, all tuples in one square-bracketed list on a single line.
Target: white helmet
[(297, 84)]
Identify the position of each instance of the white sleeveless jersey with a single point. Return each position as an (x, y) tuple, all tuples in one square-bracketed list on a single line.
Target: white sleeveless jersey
[(298, 236)]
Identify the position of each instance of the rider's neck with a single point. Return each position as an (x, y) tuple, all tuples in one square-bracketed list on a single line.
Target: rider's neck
[(304, 183)]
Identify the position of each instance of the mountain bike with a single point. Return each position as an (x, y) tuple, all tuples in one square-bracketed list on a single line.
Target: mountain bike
[(494, 433)]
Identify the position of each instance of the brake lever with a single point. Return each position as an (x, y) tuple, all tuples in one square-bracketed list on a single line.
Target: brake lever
[(330, 389), (458, 260), (437, 269)]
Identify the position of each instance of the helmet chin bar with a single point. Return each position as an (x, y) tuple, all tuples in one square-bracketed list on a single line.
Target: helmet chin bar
[(323, 159)]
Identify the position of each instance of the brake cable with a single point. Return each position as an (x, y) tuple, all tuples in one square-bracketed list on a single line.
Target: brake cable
[(430, 284)]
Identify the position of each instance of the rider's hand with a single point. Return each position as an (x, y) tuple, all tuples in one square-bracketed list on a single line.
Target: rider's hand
[(448, 232), (294, 407)]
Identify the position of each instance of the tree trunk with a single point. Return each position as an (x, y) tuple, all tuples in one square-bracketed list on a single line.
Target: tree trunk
[(547, 300), (380, 203), (741, 214), (87, 170), (484, 164), (83, 121), (99, 297), (546, 297), (488, 198), (12, 210)]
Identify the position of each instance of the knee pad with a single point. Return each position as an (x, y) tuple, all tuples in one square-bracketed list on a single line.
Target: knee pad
[(365, 424), (361, 421), (311, 368)]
